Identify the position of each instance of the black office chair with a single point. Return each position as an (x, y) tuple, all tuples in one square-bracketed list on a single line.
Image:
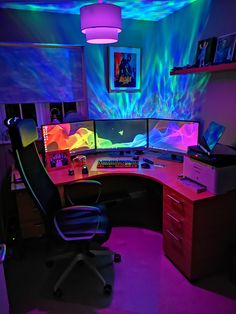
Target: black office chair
[(84, 226)]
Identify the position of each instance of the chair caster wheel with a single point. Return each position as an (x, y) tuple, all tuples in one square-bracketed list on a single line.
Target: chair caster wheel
[(107, 289), (49, 264), (57, 293), (117, 258)]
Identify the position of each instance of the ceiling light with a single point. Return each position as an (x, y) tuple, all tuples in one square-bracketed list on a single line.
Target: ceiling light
[(101, 23)]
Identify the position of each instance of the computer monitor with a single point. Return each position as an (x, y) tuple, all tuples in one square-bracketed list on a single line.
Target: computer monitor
[(211, 137), (78, 137), (172, 136), (121, 134)]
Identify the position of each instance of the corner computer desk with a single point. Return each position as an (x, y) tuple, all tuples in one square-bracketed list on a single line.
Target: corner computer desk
[(198, 228)]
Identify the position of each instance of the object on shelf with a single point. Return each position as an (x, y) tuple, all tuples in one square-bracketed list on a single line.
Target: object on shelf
[(225, 49), (205, 52)]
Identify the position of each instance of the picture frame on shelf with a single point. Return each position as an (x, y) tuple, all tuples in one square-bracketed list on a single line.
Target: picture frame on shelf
[(58, 159), (205, 52), (124, 69), (225, 49)]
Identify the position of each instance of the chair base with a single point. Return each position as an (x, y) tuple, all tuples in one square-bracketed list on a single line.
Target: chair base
[(84, 257)]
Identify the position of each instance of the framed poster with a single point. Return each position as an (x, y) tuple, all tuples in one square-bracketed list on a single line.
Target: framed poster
[(205, 52), (58, 159), (225, 49), (124, 69)]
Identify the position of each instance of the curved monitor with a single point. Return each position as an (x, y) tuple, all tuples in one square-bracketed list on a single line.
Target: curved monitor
[(172, 136), (121, 134), (76, 136)]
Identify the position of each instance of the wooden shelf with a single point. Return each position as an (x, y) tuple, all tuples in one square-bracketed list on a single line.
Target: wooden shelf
[(210, 68)]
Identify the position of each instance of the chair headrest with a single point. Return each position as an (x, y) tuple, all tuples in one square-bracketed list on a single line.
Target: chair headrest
[(22, 132)]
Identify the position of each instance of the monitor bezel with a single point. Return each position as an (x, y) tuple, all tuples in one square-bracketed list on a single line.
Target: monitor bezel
[(122, 149), (168, 151), (77, 152)]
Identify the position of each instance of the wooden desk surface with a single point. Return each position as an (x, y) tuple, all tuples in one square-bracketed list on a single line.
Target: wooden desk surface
[(198, 228), (167, 175)]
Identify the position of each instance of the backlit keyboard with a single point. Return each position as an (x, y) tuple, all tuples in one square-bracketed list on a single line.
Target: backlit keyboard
[(116, 163)]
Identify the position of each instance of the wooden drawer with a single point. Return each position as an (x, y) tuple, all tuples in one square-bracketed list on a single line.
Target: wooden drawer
[(31, 222), (31, 230), (178, 250), (178, 229), (32, 215), (27, 210), (179, 226), (179, 205)]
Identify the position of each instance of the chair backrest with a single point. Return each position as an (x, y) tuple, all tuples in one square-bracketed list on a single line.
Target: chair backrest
[(23, 134)]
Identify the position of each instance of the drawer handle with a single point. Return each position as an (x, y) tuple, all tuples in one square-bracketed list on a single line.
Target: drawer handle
[(173, 218), (38, 225), (173, 236), (174, 199)]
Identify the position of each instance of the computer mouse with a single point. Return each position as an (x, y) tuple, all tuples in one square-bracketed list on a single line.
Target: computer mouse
[(145, 165)]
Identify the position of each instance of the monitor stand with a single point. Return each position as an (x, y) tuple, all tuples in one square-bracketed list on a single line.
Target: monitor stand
[(121, 153), (171, 157), (139, 152)]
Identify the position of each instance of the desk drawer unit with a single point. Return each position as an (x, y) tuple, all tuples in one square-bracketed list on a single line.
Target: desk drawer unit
[(31, 223), (177, 229), (197, 235)]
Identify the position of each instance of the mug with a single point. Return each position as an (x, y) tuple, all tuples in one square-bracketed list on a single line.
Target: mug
[(79, 160)]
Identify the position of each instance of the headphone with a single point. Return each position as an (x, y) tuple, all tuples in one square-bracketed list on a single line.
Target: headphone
[(55, 111), (11, 121)]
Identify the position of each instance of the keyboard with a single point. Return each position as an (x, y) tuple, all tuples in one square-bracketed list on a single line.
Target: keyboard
[(116, 163)]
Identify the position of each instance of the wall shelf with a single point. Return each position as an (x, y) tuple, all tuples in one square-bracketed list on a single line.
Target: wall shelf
[(209, 68)]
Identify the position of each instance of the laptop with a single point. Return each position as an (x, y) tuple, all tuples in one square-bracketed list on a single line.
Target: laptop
[(211, 137)]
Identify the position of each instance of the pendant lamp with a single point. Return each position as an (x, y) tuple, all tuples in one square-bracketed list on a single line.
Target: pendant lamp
[(101, 23)]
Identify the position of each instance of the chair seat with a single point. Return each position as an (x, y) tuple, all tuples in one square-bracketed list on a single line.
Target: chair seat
[(82, 223)]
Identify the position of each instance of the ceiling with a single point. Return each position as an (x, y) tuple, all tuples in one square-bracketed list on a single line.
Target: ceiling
[(148, 10)]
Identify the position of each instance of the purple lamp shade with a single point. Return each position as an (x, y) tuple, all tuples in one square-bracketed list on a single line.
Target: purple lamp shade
[(101, 23)]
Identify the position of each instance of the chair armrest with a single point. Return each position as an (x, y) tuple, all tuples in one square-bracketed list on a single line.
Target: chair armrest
[(77, 222), (83, 192)]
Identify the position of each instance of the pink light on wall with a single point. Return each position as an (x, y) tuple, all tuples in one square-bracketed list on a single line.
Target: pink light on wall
[(101, 23)]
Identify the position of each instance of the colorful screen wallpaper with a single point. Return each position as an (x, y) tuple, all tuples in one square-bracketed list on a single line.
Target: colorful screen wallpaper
[(75, 136), (212, 136), (172, 135), (124, 133)]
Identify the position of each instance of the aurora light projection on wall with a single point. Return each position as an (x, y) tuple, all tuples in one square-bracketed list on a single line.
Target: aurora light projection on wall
[(162, 47), (144, 10)]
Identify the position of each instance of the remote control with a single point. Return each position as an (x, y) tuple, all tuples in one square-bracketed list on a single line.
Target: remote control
[(148, 161)]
